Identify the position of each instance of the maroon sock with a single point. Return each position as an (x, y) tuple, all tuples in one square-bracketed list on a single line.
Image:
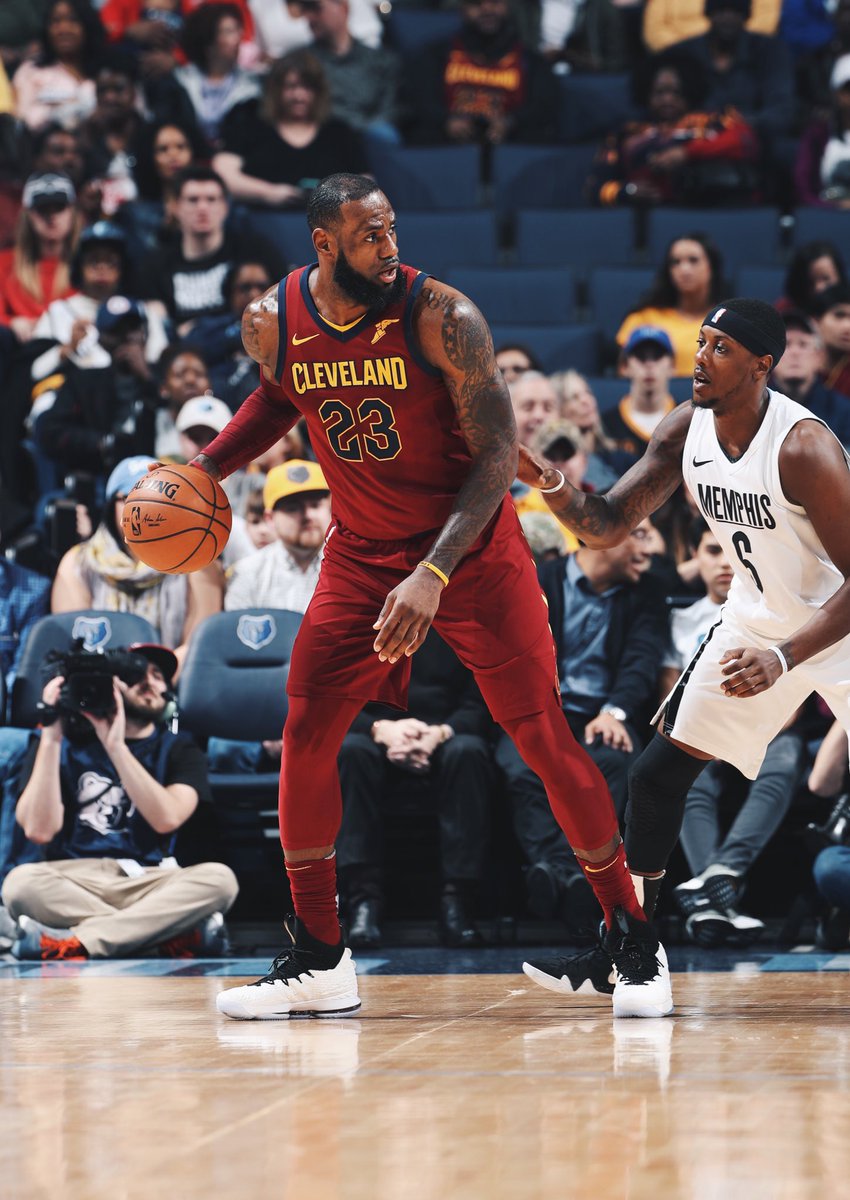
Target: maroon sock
[(313, 887), (612, 883)]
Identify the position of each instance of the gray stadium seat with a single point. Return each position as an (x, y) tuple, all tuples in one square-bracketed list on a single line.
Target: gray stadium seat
[(613, 291), (813, 224), (540, 176), (429, 177), (464, 238), (762, 283), (577, 238), (537, 294), (556, 349), (749, 235)]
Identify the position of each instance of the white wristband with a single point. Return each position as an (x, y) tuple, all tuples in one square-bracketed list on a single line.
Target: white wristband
[(783, 662), (557, 486)]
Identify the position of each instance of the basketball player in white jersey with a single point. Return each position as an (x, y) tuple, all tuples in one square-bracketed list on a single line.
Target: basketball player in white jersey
[(773, 483)]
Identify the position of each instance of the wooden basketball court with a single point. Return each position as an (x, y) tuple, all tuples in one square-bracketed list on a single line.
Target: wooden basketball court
[(451, 1086)]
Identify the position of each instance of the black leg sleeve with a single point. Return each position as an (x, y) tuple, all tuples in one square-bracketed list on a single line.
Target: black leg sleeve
[(659, 783)]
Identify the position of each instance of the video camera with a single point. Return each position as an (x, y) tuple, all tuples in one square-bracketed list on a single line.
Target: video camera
[(87, 686)]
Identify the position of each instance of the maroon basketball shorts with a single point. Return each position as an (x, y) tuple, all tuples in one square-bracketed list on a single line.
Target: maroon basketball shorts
[(493, 615)]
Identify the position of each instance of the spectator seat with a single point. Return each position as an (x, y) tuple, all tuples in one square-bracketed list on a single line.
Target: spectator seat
[(555, 348), (427, 177), (534, 294), (743, 235), (410, 29), (462, 238), (762, 283), (591, 106), (577, 238), (812, 223), (613, 291), (540, 176)]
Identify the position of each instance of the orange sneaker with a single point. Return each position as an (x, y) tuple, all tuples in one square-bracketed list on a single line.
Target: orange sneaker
[(37, 941)]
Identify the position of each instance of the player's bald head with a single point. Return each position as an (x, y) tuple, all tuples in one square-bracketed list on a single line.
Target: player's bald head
[(324, 209)]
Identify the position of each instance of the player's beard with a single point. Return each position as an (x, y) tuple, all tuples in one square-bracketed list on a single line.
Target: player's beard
[(375, 296)]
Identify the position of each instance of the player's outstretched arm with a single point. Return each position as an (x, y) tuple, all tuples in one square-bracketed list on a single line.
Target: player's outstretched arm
[(264, 416), (602, 521), (455, 338)]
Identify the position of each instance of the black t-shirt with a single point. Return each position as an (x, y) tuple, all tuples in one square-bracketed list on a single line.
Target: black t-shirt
[(265, 155), (193, 287), (101, 820)]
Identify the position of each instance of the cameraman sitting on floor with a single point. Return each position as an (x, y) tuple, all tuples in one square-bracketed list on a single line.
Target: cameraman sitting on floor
[(109, 786)]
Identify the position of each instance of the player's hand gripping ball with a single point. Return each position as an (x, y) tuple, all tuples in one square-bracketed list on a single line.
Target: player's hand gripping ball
[(177, 519)]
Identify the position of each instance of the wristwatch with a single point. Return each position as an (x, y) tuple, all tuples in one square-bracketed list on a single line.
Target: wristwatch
[(619, 714)]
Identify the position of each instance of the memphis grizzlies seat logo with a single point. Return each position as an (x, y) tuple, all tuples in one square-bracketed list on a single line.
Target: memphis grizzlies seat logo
[(256, 632), (96, 632)]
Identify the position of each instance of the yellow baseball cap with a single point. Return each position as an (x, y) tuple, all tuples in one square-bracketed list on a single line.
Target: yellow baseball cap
[(290, 478)]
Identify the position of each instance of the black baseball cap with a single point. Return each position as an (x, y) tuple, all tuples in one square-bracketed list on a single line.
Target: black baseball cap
[(160, 656)]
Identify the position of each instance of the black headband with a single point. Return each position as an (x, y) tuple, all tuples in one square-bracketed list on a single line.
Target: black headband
[(757, 341)]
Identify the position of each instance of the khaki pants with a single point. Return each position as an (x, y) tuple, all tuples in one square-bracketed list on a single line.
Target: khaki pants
[(113, 915)]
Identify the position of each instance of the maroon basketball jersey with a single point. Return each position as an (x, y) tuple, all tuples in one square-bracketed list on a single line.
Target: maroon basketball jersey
[(382, 423)]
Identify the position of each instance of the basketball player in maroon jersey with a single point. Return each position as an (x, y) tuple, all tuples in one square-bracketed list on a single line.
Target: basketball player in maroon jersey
[(412, 425)]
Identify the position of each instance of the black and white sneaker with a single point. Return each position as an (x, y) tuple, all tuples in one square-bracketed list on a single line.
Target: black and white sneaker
[(309, 979), (717, 927), (643, 977), (720, 922), (581, 974), (691, 896)]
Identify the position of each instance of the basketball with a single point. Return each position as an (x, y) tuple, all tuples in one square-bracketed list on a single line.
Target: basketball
[(177, 519)]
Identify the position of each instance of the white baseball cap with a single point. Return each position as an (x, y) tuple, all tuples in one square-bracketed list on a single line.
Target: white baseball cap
[(205, 411)]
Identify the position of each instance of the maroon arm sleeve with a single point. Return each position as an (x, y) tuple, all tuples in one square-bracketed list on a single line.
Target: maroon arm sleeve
[(263, 417)]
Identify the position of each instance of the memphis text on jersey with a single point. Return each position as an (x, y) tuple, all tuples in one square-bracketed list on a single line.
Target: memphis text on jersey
[(390, 371), (736, 508)]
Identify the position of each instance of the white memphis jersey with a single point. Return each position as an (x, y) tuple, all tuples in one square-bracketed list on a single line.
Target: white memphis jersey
[(782, 572)]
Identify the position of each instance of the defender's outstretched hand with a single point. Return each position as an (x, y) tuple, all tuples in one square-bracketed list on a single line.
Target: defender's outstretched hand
[(535, 470)]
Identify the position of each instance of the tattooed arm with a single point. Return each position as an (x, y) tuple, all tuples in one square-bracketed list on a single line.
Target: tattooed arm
[(264, 416), (454, 337), (602, 521)]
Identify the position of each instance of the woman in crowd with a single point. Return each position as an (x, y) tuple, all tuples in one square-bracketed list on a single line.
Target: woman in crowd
[(103, 573), (59, 84), (166, 148), (37, 268), (605, 463), (813, 267), (275, 153), (677, 153), (212, 78), (688, 282)]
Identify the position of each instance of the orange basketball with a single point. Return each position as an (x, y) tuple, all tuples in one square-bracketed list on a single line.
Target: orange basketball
[(177, 519)]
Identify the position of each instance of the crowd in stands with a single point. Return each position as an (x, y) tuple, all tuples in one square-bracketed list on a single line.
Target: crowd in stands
[(152, 157)]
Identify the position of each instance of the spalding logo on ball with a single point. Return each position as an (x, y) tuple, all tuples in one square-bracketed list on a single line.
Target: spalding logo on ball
[(177, 519)]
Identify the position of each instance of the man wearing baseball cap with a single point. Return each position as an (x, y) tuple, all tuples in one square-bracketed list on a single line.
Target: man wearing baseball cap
[(284, 574), (647, 362), (110, 799)]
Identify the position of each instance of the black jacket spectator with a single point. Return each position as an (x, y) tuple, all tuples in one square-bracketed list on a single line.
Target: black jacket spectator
[(100, 415)]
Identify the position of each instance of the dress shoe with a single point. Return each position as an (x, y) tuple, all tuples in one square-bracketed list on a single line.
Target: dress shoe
[(457, 929), (364, 932), (544, 886)]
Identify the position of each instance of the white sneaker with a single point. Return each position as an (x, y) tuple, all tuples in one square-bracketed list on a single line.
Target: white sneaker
[(643, 977), (310, 979)]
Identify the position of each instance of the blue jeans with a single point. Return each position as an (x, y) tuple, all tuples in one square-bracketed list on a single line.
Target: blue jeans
[(832, 875), (14, 847)]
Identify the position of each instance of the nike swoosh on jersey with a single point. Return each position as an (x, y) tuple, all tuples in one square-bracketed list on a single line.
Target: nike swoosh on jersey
[(703, 462), (297, 341)]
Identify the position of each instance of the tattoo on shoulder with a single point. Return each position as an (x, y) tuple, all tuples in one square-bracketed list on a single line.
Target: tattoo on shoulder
[(259, 328), (434, 299)]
